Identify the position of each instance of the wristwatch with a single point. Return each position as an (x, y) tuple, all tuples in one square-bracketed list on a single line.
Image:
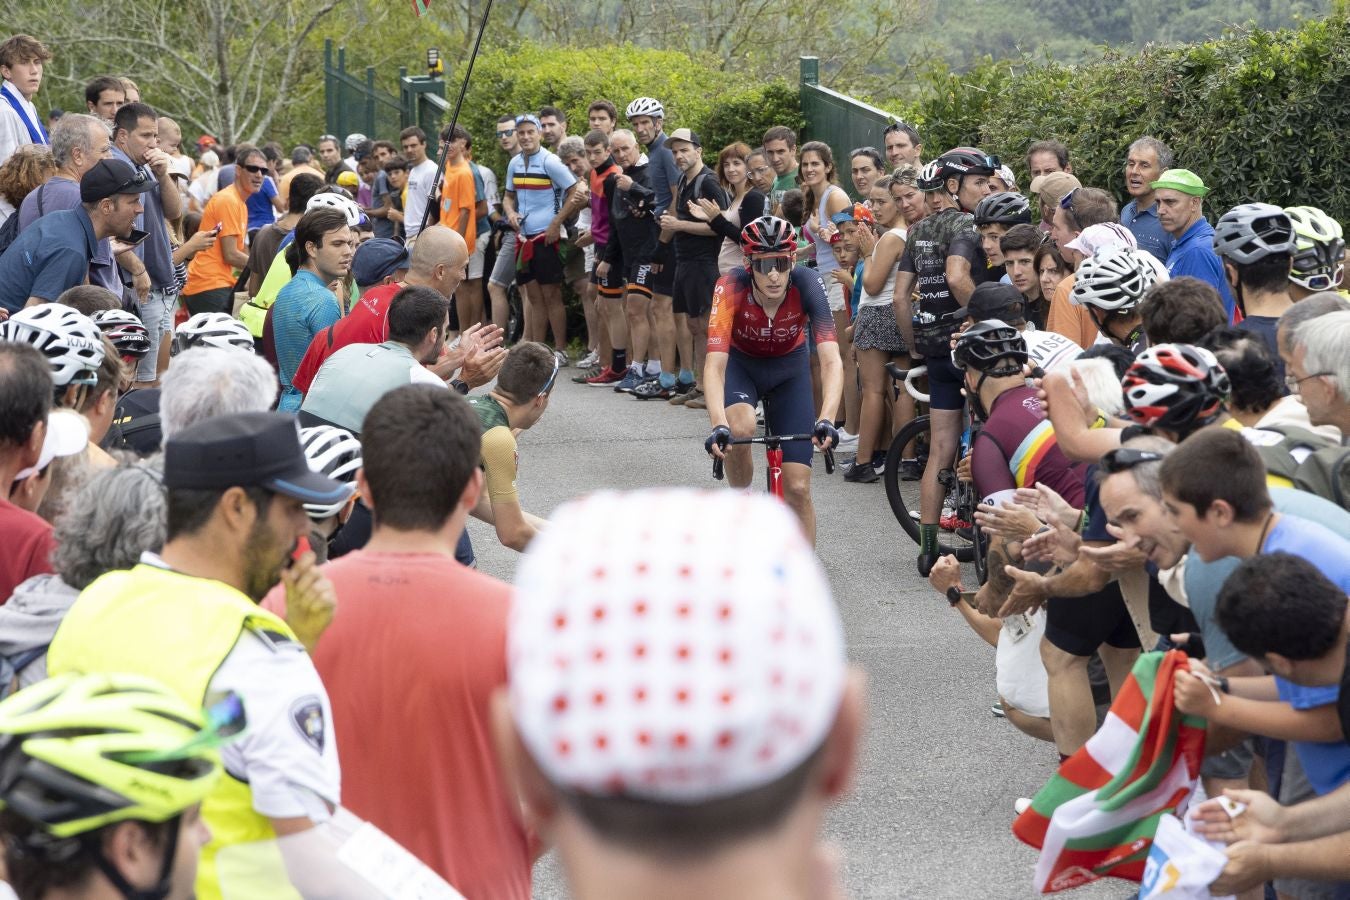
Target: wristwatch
[(953, 595), (460, 386)]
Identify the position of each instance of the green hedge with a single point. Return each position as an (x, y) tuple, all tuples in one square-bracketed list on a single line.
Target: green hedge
[(720, 106), (1257, 114)]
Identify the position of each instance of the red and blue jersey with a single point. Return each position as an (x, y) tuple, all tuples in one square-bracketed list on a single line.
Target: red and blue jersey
[(738, 321)]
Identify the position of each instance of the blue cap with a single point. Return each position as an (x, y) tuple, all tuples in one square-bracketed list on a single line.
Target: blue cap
[(528, 117), (377, 259)]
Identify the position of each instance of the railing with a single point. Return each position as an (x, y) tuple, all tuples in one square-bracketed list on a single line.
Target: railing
[(356, 104), (839, 120)]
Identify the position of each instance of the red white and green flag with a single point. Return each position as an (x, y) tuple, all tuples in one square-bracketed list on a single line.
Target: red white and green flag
[(420, 7), (1097, 816)]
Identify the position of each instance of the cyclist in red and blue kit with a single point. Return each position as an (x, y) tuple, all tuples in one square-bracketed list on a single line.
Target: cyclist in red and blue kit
[(761, 319)]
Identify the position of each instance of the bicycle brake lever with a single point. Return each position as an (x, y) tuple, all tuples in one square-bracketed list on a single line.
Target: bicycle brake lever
[(717, 468), (829, 462)]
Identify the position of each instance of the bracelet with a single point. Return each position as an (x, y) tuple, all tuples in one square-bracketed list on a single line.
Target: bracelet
[(1099, 422), (459, 386)]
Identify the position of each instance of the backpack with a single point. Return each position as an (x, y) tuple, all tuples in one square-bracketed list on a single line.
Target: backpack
[(9, 231), (11, 666), (1313, 463)]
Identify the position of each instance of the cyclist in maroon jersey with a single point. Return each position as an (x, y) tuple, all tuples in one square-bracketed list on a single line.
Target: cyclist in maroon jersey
[(757, 332)]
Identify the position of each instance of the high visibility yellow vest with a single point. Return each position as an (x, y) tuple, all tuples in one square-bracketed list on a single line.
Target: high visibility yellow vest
[(179, 629)]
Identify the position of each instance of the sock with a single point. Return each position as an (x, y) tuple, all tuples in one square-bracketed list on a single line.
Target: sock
[(686, 376), (667, 380), (653, 367), (636, 368), (619, 360), (928, 538)]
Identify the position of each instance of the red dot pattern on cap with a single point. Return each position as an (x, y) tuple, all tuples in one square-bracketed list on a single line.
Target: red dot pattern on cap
[(675, 674)]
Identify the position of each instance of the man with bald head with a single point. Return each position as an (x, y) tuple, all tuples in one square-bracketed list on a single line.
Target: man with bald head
[(437, 261)]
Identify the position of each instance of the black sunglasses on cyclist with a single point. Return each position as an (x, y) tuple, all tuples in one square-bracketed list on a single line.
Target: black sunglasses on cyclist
[(256, 170), (1123, 459), (766, 264)]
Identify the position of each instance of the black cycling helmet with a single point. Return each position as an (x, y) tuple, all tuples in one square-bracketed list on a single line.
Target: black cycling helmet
[(992, 347), (962, 161), (768, 234), (1004, 208)]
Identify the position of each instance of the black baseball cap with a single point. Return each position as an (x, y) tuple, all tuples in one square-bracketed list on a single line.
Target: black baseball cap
[(995, 300), (255, 449), (110, 177)]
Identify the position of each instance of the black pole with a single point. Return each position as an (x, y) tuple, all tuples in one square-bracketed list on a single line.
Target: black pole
[(454, 120)]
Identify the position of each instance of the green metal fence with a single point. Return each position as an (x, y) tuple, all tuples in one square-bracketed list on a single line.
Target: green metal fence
[(839, 120), (354, 103)]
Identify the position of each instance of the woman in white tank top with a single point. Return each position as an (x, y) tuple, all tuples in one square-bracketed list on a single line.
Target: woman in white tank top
[(876, 339)]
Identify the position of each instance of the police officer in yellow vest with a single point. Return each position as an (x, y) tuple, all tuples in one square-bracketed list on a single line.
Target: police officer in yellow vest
[(189, 617)]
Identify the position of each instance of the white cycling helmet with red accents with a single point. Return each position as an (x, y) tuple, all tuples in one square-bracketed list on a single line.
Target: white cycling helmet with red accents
[(125, 330), (1176, 387), (344, 205), (68, 338), (768, 234), (215, 329)]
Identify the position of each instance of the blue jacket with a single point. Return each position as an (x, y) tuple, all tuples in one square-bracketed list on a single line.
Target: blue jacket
[(1193, 254)]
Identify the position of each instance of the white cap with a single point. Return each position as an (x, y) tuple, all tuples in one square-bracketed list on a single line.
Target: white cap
[(1099, 237), (682, 663), (67, 434)]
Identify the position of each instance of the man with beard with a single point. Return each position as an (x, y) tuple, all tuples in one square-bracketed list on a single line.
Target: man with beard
[(236, 488)]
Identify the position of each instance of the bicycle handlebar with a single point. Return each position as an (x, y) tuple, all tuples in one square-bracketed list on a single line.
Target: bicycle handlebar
[(907, 376), (775, 438)]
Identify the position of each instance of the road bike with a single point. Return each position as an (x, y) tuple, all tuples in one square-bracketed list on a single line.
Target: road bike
[(958, 535), (773, 457)]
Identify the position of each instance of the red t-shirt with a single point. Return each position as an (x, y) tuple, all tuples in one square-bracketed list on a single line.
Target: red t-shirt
[(415, 651), (26, 549), (365, 324)]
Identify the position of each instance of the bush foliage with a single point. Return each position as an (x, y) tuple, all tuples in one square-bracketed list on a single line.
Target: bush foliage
[(719, 106), (1255, 114)]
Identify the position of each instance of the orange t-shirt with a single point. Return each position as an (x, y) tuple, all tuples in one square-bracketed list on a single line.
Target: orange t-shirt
[(458, 194), (284, 185), (410, 663), (1068, 319), (208, 270)]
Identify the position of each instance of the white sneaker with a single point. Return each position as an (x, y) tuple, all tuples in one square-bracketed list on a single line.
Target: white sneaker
[(561, 357), (590, 359), (1021, 805), (847, 441)]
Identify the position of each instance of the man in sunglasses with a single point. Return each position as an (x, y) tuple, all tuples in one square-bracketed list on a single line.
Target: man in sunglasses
[(54, 253), (757, 332)]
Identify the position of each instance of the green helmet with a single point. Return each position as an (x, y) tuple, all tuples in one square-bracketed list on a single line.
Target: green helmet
[(78, 752), (1320, 242)]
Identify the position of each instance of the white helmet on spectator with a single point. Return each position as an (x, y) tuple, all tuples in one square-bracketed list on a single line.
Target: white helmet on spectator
[(334, 452), (645, 106), (345, 205), (1115, 279), (215, 329), (68, 338)]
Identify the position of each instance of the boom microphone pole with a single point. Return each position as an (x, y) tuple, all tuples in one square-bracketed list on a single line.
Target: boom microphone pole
[(454, 120)]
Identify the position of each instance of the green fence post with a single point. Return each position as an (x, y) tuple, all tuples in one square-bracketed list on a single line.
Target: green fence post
[(329, 86), (810, 69), (370, 101), (406, 111)]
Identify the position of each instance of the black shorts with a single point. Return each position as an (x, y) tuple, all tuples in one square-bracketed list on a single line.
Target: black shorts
[(663, 282), (945, 381), (1079, 625), (694, 285), (638, 281), (544, 265)]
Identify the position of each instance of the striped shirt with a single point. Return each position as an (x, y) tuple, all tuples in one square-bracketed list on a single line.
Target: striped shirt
[(539, 183)]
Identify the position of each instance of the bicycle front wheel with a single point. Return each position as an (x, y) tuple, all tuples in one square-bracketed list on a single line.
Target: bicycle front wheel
[(956, 536)]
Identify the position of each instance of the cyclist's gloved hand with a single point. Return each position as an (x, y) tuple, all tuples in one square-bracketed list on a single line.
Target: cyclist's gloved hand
[(719, 437), (827, 436)]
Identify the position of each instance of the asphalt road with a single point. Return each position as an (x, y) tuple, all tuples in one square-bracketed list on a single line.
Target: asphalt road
[(930, 814)]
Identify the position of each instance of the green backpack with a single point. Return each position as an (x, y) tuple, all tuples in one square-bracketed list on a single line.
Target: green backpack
[(1313, 463)]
